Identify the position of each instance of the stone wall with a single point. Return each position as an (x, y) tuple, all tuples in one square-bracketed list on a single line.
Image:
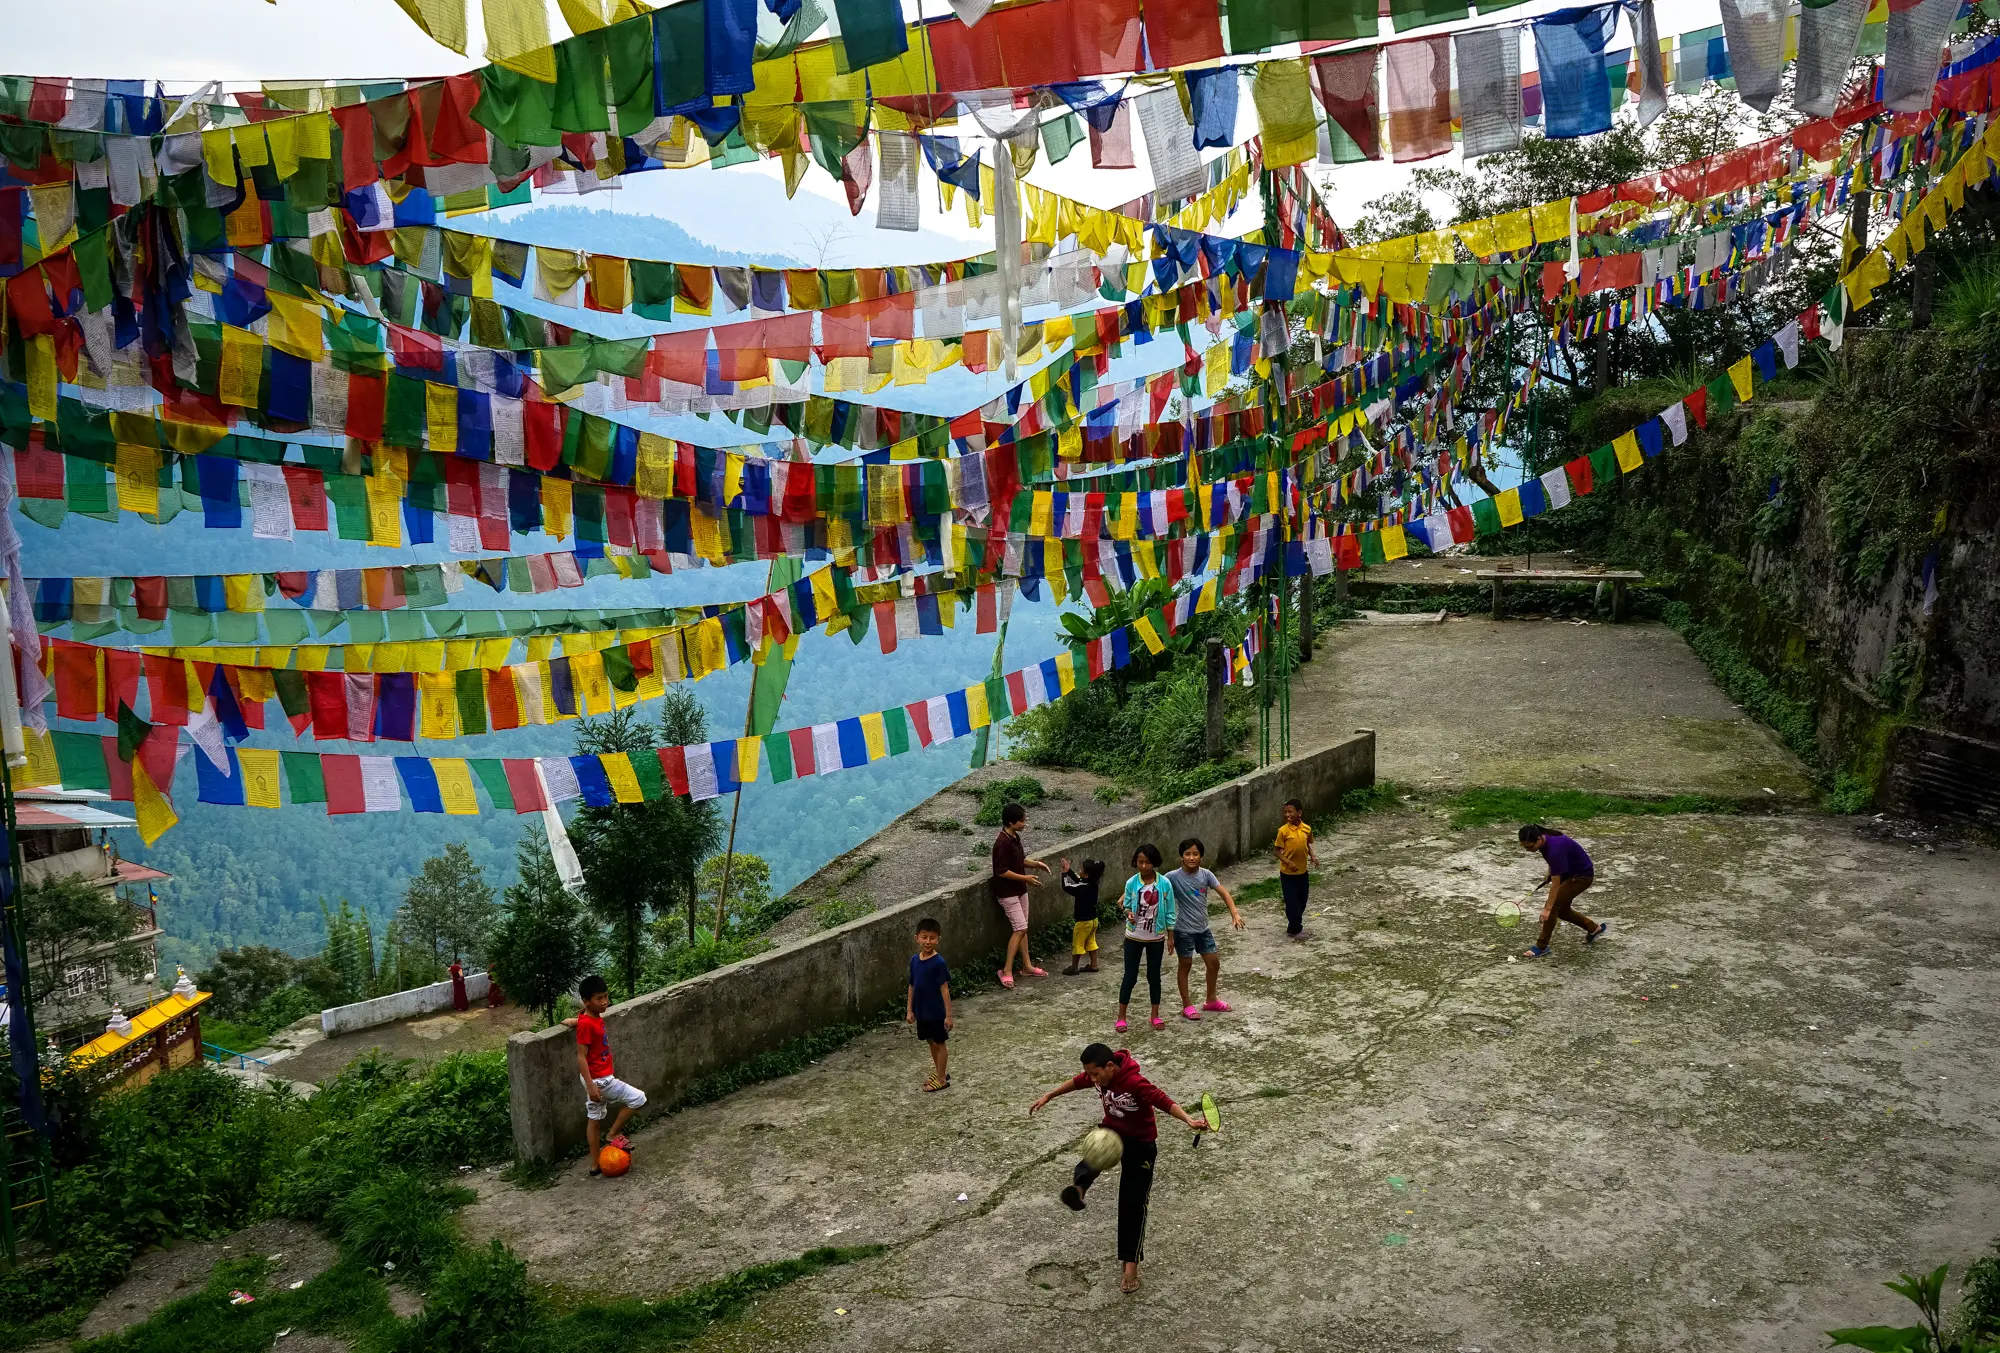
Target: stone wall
[(347, 1019), (664, 1041)]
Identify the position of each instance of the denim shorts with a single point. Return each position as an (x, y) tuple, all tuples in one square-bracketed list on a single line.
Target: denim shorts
[(1194, 942)]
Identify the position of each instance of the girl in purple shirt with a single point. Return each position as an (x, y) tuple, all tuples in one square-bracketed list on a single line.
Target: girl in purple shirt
[(1570, 872)]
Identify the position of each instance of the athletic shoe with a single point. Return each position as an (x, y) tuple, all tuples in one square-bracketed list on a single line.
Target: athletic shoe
[(1189, 1012), (1072, 1197), (1007, 980), (1119, 1026), (1220, 1007)]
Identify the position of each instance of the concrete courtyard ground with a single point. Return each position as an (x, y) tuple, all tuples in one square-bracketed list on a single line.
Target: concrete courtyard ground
[(1771, 1087)]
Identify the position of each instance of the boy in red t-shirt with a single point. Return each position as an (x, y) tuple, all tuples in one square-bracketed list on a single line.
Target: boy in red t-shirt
[(593, 1063)]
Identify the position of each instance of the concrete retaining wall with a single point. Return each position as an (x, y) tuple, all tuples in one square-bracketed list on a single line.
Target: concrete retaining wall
[(666, 1040), (347, 1019)]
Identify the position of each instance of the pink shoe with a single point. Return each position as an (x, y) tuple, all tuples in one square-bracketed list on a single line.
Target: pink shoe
[(1189, 1012), (1119, 1026), (1220, 1007), (1159, 1023), (1039, 972), (1007, 980)]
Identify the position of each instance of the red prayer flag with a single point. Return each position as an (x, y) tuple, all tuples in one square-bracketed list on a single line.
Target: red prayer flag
[(1579, 476), (803, 760), (1697, 404), (919, 714), (304, 485), (524, 781), (343, 784), (503, 704), (673, 764)]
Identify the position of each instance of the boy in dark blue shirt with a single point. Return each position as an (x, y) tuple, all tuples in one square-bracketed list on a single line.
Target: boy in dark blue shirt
[(929, 1004), (1570, 872)]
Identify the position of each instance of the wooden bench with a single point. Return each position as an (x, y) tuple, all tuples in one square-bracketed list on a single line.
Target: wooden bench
[(1617, 577)]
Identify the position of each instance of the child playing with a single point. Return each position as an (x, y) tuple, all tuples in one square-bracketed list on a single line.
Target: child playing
[(1149, 914), (593, 1063), (1296, 859), (1570, 872), (1129, 1100), (1191, 933), (929, 1003), (1082, 889)]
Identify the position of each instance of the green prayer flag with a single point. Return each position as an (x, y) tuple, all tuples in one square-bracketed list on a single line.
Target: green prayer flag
[(778, 754), (132, 732), (646, 770), (470, 688), (304, 782), (493, 776), (80, 757), (1485, 517), (1603, 466), (768, 682), (896, 730), (870, 31)]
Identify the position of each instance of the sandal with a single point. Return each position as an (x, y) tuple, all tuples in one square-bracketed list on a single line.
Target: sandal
[(1119, 1026), (1534, 951), (1007, 979), (1221, 1007), (620, 1142), (1597, 934), (1189, 1012), (1038, 972), (1159, 1023), (932, 1084), (1129, 1285)]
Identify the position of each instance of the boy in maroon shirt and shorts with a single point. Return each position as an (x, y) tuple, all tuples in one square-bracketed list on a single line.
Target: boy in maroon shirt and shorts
[(1129, 1100), (1011, 881)]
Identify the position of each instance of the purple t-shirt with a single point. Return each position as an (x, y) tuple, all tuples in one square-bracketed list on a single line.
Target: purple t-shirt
[(1566, 858)]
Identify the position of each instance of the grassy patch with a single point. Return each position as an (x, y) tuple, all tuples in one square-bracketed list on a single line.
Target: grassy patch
[(839, 911), (347, 1300), (1381, 794), (632, 1324), (995, 795), (1487, 807), (1271, 1092), (1265, 889), (787, 1059)]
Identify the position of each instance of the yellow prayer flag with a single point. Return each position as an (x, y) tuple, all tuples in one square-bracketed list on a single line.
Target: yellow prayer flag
[(241, 369), (438, 693), (154, 810), (441, 417), (385, 520), (455, 790), (624, 781), (1041, 508), (1552, 221), (42, 768), (748, 751), (1066, 671), (284, 141), (1126, 527), (1626, 448), (138, 470), (1205, 602), (593, 688), (975, 707), (1285, 115), (1149, 635), (43, 377), (707, 648), (218, 151), (1395, 543), (555, 506), (1514, 230), (517, 37), (1740, 376), (875, 735), (1509, 504), (259, 767), (243, 592), (295, 326)]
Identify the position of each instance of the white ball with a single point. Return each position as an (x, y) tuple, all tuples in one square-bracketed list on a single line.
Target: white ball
[(1102, 1148)]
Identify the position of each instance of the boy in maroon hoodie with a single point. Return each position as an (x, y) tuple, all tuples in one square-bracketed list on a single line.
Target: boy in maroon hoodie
[(1129, 1100)]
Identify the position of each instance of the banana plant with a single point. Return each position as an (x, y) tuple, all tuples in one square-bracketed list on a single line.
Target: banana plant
[(1925, 1292)]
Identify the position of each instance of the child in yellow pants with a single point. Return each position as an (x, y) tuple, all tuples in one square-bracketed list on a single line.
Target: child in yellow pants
[(1082, 888)]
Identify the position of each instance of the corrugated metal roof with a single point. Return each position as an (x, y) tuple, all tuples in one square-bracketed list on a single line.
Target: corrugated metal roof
[(48, 816)]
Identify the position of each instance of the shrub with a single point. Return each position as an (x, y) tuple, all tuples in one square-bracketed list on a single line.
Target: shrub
[(480, 1303), (1025, 790), (402, 1219)]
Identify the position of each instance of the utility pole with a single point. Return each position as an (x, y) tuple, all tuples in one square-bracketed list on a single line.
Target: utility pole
[(1277, 400)]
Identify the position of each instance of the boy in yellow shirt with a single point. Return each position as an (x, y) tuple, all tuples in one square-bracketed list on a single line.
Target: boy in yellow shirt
[(1296, 858)]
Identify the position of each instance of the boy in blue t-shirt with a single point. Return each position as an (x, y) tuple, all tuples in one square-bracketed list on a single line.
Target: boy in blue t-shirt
[(929, 1004)]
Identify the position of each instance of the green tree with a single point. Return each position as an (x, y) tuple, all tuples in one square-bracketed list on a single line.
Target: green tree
[(242, 979), (544, 942), (448, 910), (749, 885), (77, 934), (641, 858), (349, 952)]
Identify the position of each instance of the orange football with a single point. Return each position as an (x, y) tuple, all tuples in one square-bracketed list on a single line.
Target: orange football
[(614, 1161)]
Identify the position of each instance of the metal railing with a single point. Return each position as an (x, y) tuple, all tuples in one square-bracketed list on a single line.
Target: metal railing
[(222, 1056)]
